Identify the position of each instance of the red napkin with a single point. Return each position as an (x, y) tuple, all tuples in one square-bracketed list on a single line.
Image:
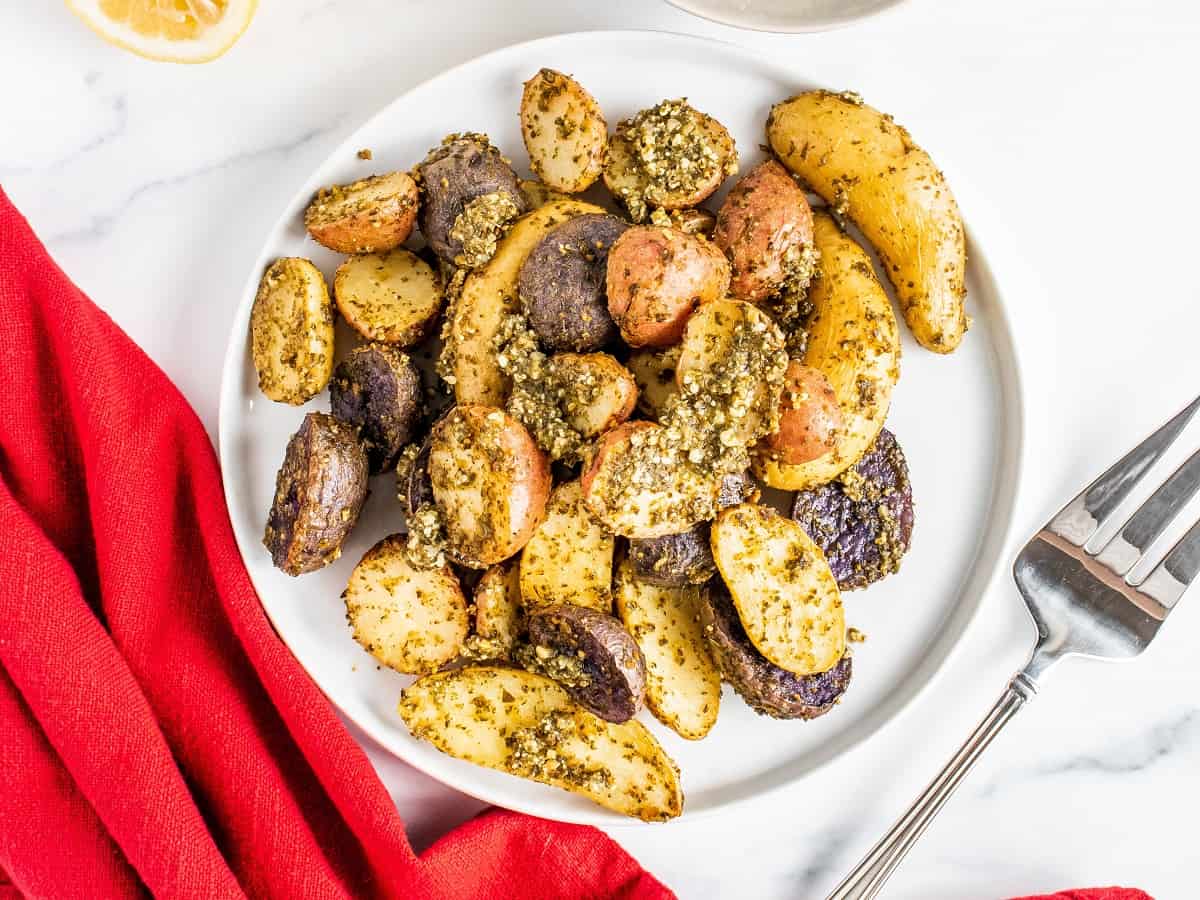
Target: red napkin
[(155, 734), (1105, 893)]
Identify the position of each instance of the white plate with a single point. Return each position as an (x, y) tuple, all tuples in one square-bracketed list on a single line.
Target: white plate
[(792, 16), (959, 419)]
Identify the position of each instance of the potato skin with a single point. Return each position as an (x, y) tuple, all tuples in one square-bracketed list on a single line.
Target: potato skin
[(854, 341), (766, 688), (291, 331), (490, 481), (369, 216), (762, 226), (656, 277), (377, 389), (562, 284), (809, 416), (453, 175), (612, 662), (319, 492), (869, 169)]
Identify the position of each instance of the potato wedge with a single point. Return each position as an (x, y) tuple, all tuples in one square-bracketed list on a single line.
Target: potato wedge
[(869, 169), (508, 719), (411, 620), (853, 340), (564, 131), (369, 216), (394, 297), (488, 296), (600, 392), (639, 488), (499, 610), (490, 483), (785, 595), (654, 372), (683, 686), (291, 331), (569, 558)]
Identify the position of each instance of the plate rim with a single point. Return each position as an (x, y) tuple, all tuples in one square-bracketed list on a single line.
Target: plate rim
[(995, 538), (826, 23)]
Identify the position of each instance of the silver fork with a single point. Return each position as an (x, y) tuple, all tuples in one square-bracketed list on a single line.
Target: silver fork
[(1083, 602)]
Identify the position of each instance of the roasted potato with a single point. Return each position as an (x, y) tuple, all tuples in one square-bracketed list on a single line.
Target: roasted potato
[(740, 339), (488, 297), (692, 220), (809, 417), (369, 216), (319, 492), (592, 656), (638, 487), (538, 194), (656, 277), (453, 179), (393, 297), (291, 331), (508, 719), (412, 479), (599, 393), (853, 341), (499, 609), (786, 597), (764, 226), (654, 372), (564, 131), (669, 156), (490, 482), (569, 558), (411, 620), (766, 688), (377, 389), (562, 284), (679, 560), (683, 686), (869, 170)]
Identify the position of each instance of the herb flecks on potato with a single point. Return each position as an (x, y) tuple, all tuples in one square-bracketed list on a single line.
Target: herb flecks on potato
[(564, 131), (291, 331)]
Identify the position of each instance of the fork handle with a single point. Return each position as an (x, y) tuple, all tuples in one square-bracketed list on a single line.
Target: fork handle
[(868, 877)]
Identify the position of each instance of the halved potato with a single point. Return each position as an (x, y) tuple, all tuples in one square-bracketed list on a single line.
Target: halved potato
[(785, 595), (569, 559), (291, 331), (742, 340), (599, 392), (869, 169), (499, 610), (853, 340), (640, 487), (564, 131), (488, 296), (683, 686), (654, 372), (368, 216), (809, 417), (490, 483), (526, 725), (394, 297), (411, 620)]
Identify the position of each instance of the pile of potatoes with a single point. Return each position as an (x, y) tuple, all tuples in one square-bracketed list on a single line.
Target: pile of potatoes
[(540, 613)]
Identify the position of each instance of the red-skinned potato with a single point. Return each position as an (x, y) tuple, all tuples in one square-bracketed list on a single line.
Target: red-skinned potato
[(809, 416), (490, 481), (656, 277), (763, 226)]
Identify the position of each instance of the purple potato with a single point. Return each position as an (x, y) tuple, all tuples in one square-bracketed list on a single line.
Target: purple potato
[(592, 656), (766, 688), (863, 519), (319, 492), (419, 489), (562, 284), (378, 390), (676, 560)]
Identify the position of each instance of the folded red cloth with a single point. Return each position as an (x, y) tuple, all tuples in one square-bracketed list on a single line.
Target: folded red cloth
[(1104, 893), (155, 734)]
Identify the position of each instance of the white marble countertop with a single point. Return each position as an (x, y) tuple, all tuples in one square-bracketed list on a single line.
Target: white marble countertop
[(154, 185)]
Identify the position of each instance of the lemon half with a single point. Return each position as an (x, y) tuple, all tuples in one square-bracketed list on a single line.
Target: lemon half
[(182, 31)]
